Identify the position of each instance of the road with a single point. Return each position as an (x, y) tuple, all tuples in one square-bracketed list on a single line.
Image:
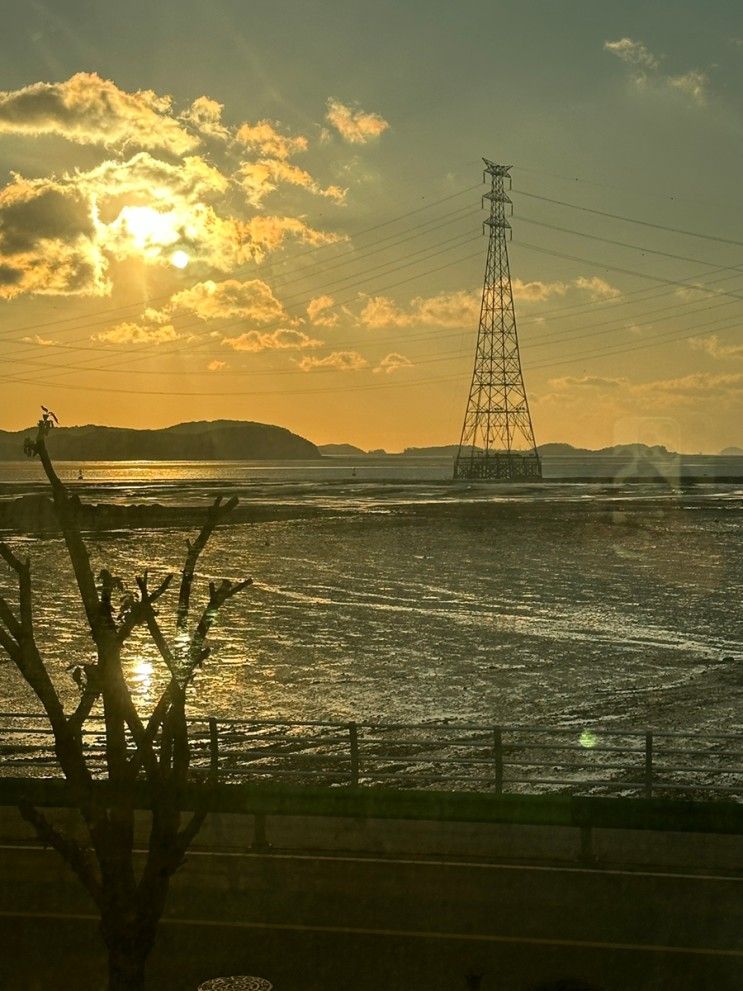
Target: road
[(333, 923)]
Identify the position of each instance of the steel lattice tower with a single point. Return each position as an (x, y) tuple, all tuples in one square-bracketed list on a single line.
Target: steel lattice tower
[(497, 437)]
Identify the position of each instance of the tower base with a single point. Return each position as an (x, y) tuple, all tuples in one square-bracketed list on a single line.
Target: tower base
[(504, 467)]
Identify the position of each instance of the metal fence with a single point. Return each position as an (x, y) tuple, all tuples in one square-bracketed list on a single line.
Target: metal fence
[(514, 759)]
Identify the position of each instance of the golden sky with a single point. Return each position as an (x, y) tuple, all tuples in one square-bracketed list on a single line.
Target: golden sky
[(278, 218)]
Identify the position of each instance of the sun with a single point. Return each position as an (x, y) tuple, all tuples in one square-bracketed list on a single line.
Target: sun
[(180, 258)]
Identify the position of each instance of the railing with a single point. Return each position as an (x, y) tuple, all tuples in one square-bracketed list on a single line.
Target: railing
[(438, 756)]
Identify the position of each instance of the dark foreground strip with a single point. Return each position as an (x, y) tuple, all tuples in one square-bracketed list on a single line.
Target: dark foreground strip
[(667, 815), (402, 934), (433, 862)]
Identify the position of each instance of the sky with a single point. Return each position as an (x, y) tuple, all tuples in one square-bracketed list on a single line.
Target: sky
[(272, 211)]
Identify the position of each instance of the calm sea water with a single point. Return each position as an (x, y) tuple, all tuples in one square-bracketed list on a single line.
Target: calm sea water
[(423, 601), (372, 469)]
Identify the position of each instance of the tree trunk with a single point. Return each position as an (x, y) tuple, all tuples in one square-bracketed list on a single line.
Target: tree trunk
[(127, 956)]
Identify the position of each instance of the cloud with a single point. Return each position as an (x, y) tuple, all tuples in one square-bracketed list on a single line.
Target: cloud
[(353, 124), (48, 241), (279, 340), (144, 208), (597, 287), (252, 300), (268, 141), (318, 312), (341, 361), (217, 366), (136, 333), (694, 293), (456, 309), (44, 342), (264, 176), (462, 308), (569, 382), (205, 115), (59, 235), (153, 179), (261, 235), (632, 52), (693, 84), (713, 346), (90, 110), (697, 385), (393, 362), (536, 292)]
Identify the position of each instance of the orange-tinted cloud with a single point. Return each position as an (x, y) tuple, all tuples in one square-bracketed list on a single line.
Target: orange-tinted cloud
[(597, 287), (44, 342), (393, 362), (261, 235), (341, 361), (135, 333), (205, 115), (48, 241), (455, 309), (90, 110), (320, 313), (353, 124), (264, 176), (279, 340), (536, 291), (715, 348), (268, 141), (252, 300), (59, 235)]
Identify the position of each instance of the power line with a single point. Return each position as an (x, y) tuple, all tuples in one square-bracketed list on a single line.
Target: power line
[(657, 341), (626, 271), (630, 220), (636, 190), (539, 341), (622, 244)]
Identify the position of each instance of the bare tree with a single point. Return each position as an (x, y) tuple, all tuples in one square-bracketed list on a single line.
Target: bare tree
[(154, 749)]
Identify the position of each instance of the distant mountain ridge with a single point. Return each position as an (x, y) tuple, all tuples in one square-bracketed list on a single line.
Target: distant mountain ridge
[(546, 450), (200, 440)]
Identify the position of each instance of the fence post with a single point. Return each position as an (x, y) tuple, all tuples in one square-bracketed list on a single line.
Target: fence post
[(498, 759), (353, 735), (213, 749), (648, 764)]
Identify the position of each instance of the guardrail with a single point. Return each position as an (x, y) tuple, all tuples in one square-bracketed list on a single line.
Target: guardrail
[(500, 760)]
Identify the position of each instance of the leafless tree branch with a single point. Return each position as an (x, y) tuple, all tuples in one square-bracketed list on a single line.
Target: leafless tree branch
[(216, 514), (77, 856)]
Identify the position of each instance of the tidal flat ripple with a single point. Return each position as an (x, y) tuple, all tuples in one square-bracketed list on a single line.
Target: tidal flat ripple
[(413, 612)]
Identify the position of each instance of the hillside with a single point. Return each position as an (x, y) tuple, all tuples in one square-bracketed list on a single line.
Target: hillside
[(340, 450), (221, 440)]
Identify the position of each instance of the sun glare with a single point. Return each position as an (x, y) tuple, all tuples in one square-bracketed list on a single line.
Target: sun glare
[(149, 229), (179, 258)]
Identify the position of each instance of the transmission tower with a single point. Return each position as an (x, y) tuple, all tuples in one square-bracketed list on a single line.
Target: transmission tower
[(497, 437)]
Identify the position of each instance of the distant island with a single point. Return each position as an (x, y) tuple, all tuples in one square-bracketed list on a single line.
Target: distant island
[(218, 440), (546, 450), (245, 440)]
